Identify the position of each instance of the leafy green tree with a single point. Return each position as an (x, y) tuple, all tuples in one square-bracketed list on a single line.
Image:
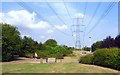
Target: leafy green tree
[(28, 45), (96, 45), (60, 49), (108, 42), (68, 50), (51, 43), (86, 48), (10, 42), (117, 41), (40, 46)]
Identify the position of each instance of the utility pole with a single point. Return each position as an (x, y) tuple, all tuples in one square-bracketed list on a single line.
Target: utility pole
[(77, 31)]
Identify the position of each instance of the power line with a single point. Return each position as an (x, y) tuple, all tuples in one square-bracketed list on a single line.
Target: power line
[(103, 15), (77, 29), (85, 10), (96, 9), (69, 16), (68, 11), (94, 14), (55, 13), (84, 13), (30, 9)]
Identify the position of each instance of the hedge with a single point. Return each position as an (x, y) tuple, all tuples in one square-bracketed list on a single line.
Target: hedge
[(88, 59), (108, 57)]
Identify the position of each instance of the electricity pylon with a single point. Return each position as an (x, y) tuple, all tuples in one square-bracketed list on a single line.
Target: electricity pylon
[(77, 31)]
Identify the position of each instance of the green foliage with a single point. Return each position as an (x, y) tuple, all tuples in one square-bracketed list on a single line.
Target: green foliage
[(28, 45), (108, 57), (7, 57), (29, 55), (88, 59), (42, 54), (51, 43), (69, 50), (13, 44), (55, 52), (10, 41), (86, 49), (59, 56), (96, 45), (59, 49)]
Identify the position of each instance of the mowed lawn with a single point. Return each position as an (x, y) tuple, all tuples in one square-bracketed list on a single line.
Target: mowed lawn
[(54, 68)]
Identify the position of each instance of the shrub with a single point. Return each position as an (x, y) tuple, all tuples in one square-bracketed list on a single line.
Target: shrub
[(88, 59), (51, 43), (7, 57), (60, 49), (42, 54), (59, 56), (107, 57), (53, 52), (29, 55)]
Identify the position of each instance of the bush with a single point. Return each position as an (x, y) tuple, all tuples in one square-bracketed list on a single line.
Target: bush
[(10, 42), (29, 55), (7, 57), (60, 49), (51, 43), (107, 57), (59, 56), (88, 59), (52, 52), (86, 48), (42, 54)]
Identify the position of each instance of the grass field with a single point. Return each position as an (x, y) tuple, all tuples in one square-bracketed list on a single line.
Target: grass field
[(54, 68)]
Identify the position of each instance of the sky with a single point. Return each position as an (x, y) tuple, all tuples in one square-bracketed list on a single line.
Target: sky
[(40, 22)]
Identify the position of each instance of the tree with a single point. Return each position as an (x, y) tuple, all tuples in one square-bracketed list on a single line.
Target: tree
[(108, 42), (68, 50), (10, 42), (28, 45), (86, 48), (117, 41), (51, 43), (96, 45), (60, 51)]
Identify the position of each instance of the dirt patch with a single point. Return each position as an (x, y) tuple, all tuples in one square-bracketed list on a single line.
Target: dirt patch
[(33, 60)]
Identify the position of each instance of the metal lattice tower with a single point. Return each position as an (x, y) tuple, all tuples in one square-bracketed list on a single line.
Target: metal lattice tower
[(77, 31)]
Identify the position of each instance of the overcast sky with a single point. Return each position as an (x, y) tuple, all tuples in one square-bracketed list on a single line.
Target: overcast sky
[(28, 20)]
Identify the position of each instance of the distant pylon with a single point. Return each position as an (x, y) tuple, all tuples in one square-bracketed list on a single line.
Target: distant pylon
[(77, 31)]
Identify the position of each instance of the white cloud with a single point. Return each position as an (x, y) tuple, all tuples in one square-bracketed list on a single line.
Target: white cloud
[(24, 19), (80, 15), (61, 9), (39, 25), (62, 27), (50, 31)]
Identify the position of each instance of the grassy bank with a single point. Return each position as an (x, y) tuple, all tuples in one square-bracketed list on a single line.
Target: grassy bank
[(54, 68)]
